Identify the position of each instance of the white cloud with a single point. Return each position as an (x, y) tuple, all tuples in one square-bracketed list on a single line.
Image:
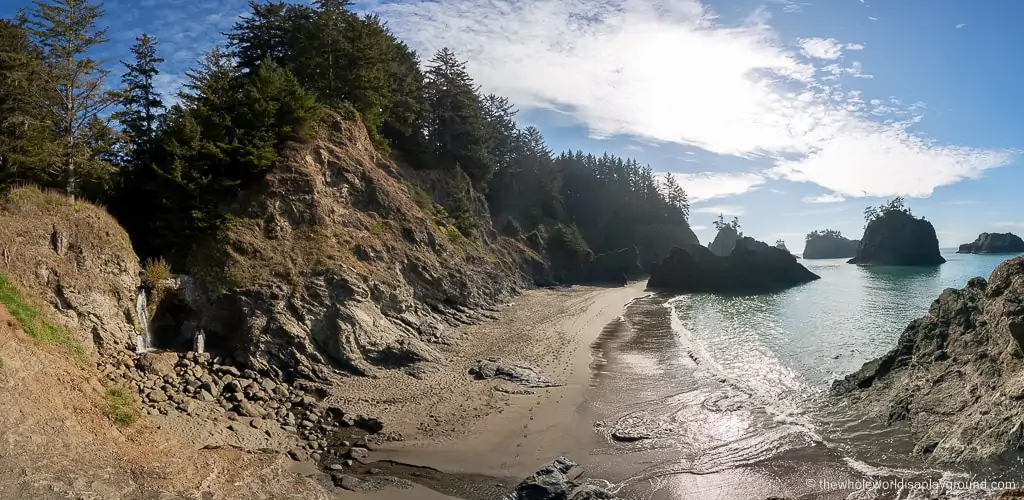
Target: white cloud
[(961, 202), (732, 210), (670, 71), (705, 186), (825, 48), (872, 18), (825, 198), (1008, 224), (698, 228), (961, 25)]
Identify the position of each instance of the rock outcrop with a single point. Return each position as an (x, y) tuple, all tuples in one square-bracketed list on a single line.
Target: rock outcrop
[(994, 243), (553, 483), (829, 245), (724, 241), (614, 267), (956, 375), (897, 238), (75, 259), (751, 267), (332, 263)]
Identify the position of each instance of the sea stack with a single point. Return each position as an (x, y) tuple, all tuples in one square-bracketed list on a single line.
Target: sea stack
[(752, 267), (955, 379), (897, 238), (994, 243), (829, 244), (725, 241)]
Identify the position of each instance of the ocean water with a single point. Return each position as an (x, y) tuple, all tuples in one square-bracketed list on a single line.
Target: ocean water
[(703, 396)]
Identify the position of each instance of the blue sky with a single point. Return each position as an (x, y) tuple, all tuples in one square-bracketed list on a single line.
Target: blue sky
[(793, 115)]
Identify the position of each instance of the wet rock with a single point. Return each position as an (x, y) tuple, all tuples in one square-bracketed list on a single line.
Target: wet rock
[(994, 243), (897, 238), (523, 375), (552, 483), (347, 482), (751, 267)]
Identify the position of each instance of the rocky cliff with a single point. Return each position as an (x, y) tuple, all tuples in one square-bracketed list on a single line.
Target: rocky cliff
[(335, 261), (994, 243), (75, 259), (724, 241), (956, 375), (751, 267), (897, 238), (830, 247)]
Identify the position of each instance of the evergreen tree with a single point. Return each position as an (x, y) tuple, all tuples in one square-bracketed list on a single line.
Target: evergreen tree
[(25, 139), (675, 196), (66, 32), (456, 127), (141, 103)]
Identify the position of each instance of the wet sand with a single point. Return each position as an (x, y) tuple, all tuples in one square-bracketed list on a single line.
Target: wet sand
[(455, 424)]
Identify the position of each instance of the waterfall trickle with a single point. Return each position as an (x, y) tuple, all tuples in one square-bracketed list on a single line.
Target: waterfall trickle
[(145, 339)]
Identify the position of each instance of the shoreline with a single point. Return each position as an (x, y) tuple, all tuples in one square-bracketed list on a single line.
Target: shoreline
[(461, 426)]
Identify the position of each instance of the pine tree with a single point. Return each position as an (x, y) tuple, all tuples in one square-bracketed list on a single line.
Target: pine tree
[(142, 106), (456, 127), (66, 32), (25, 139), (675, 196)]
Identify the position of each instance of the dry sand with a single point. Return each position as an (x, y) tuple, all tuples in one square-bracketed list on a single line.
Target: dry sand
[(453, 423)]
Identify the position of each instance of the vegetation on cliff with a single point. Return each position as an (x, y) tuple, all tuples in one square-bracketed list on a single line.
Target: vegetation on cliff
[(829, 244), (895, 237), (173, 175)]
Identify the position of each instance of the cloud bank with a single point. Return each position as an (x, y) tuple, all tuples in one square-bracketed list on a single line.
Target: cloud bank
[(672, 72)]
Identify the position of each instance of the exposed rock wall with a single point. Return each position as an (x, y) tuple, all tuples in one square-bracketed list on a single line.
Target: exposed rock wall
[(724, 242), (994, 243), (332, 263), (74, 258), (956, 375)]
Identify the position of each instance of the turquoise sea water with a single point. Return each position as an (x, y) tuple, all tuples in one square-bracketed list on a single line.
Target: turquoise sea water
[(728, 393)]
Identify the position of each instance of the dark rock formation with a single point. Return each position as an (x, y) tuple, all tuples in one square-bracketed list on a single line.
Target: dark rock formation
[(553, 483), (523, 375), (994, 243), (725, 241), (752, 267), (956, 375), (897, 238), (829, 244), (614, 267)]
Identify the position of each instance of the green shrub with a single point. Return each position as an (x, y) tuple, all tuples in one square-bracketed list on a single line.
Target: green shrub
[(420, 197), (156, 270), (121, 406), (33, 322)]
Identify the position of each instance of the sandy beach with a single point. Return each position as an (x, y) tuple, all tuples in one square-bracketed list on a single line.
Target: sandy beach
[(453, 423)]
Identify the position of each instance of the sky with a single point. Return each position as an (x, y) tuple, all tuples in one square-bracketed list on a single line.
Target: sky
[(791, 115)]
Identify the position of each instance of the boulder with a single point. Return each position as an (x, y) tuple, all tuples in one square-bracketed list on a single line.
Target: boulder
[(724, 241), (955, 378), (829, 245), (74, 259), (552, 483), (897, 238), (994, 243), (523, 375), (751, 267)]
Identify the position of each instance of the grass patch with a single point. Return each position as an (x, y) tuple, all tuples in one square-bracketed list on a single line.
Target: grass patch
[(121, 406), (32, 320)]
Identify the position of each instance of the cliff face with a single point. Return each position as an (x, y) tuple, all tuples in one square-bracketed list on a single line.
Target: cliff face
[(724, 242), (994, 243), (956, 375), (331, 262), (826, 247), (75, 259), (899, 239), (752, 267)]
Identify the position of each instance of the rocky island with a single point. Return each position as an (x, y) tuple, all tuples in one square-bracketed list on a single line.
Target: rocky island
[(829, 244), (894, 237), (955, 376), (994, 243), (752, 267)]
